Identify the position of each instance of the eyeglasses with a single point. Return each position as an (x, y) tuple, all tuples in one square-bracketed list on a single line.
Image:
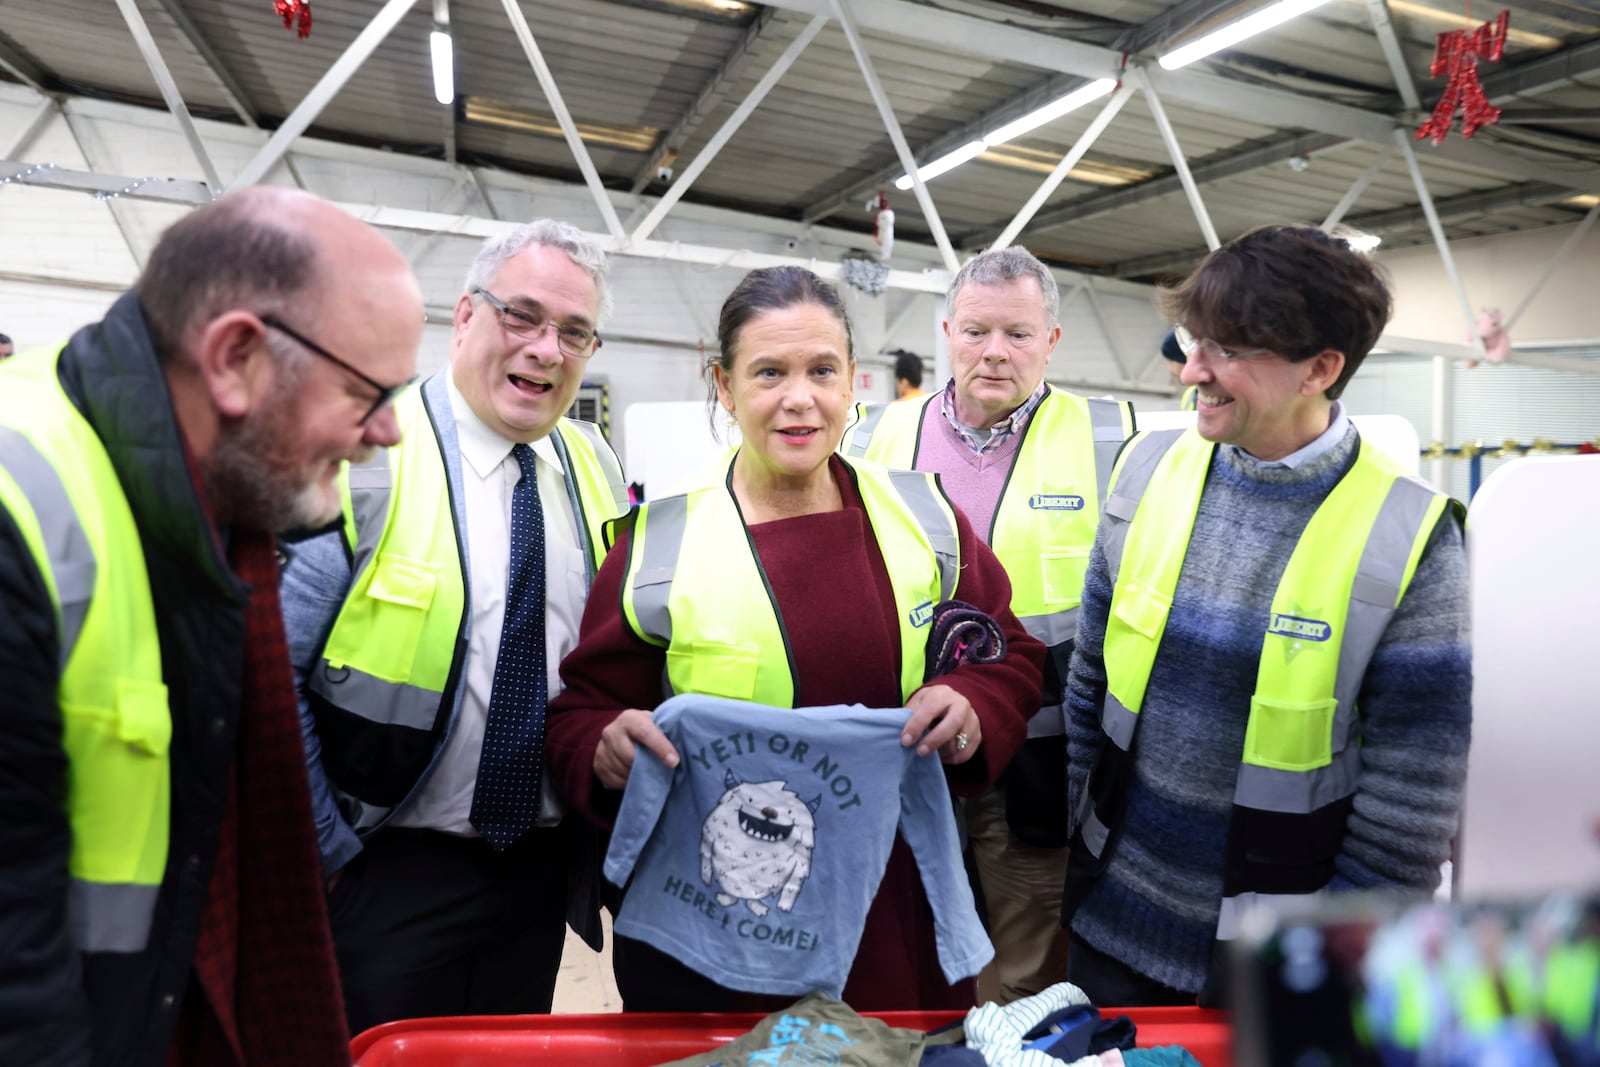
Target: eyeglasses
[(1192, 346), (574, 341), (386, 393)]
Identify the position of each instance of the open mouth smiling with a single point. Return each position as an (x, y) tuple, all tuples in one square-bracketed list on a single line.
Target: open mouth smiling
[(764, 829)]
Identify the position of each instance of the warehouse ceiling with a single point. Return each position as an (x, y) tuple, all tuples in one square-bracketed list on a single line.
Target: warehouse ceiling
[(1281, 127)]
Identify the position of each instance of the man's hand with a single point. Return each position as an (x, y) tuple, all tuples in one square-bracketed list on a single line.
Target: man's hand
[(951, 725), (613, 757)]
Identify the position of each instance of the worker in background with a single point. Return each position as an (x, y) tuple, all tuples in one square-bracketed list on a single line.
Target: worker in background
[(1172, 352), (1029, 465), (424, 680), (160, 899), (907, 375), (1271, 693), (6, 347)]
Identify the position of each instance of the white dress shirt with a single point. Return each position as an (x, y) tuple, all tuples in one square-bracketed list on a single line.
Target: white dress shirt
[(489, 474)]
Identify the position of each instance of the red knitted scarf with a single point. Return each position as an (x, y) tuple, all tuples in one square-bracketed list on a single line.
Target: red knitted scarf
[(264, 959)]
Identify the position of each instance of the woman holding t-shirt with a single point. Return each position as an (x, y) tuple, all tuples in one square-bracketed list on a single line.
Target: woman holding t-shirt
[(814, 523)]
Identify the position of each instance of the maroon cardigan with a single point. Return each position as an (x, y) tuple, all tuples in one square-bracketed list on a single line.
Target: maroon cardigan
[(832, 589)]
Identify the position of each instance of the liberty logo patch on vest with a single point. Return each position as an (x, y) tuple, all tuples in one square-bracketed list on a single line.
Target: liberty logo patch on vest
[(1295, 626), (922, 614), (1055, 502)]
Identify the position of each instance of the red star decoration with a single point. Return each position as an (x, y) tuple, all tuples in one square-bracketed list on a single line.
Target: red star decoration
[(1457, 55), (292, 12)]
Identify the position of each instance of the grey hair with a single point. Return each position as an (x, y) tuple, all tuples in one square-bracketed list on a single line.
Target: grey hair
[(998, 266), (582, 249)]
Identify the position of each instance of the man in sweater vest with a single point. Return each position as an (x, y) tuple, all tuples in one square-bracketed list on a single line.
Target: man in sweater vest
[(1270, 695), (1029, 465)]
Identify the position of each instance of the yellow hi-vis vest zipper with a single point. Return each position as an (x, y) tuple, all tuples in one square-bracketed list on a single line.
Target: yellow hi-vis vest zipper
[(1045, 519), (1348, 572), (57, 482), (732, 643), (389, 654)]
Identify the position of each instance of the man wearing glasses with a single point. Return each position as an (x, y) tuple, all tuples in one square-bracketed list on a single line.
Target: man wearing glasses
[(426, 634), (1270, 697), (1028, 464), (160, 898)]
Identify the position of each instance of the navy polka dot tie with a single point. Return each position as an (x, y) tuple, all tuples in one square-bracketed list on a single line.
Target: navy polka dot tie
[(506, 802)]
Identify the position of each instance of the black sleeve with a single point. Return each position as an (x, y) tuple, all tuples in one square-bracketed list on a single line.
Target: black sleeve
[(43, 1016)]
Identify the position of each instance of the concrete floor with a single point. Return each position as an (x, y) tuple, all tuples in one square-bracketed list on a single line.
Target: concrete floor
[(584, 985)]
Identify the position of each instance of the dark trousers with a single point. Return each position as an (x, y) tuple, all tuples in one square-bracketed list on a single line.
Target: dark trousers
[(1110, 983), (428, 924)]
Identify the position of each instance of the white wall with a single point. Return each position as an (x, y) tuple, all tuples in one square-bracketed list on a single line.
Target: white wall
[(1498, 272)]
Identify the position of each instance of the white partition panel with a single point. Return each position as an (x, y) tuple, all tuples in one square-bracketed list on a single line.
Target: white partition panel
[(1533, 787), (668, 445)]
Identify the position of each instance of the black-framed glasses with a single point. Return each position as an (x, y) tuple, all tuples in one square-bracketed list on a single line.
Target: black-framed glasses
[(386, 393), (574, 341)]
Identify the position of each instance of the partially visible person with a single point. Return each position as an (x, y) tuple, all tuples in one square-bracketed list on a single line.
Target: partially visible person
[(1271, 693), (6, 347), (1172, 352), (796, 579), (160, 896), (907, 375), (1028, 464), (425, 635)]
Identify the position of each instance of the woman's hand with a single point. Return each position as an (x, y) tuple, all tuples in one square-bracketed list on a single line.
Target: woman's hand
[(613, 756), (951, 725)]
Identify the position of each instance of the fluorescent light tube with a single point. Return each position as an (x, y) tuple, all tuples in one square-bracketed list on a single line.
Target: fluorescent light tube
[(444, 67), (1051, 111), (947, 162), (1363, 242), (1231, 34)]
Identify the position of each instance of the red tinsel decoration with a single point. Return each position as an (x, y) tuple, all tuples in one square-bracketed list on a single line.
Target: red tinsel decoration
[(292, 12), (1457, 55)]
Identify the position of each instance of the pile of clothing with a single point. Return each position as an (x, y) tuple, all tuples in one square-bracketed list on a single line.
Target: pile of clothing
[(1057, 1027)]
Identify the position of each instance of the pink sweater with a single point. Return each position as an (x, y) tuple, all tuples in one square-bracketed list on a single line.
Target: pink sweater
[(972, 482)]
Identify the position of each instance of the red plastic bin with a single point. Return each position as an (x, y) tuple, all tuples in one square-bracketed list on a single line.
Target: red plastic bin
[(646, 1039)]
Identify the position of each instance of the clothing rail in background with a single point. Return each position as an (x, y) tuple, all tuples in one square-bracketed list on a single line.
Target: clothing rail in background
[(1474, 451)]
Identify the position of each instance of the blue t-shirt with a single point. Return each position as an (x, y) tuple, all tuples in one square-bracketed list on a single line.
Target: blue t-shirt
[(755, 860)]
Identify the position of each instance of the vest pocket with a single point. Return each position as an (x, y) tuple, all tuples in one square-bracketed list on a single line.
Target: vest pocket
[(1142, 609), (1062, 571), (1290, 735), (120, 784), (714, 669), (403, 590)]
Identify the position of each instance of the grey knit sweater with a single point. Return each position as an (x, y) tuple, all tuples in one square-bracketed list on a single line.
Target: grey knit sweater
[(1155, 907)]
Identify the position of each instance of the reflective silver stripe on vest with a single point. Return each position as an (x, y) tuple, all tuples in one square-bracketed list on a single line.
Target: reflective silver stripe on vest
[(1054, 629), (371, 486), (938, 523), (663, 530), (1236, 909), (1048, 721), (1106, 418), (861, 436), (1095, 833), (110, 918), (1373, 597), (1137, 470), (607, 460), (1118, 722), (72, 563), (373, 699)]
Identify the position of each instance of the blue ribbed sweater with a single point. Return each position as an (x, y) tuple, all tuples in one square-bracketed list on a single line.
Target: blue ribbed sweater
[(1155, 906)]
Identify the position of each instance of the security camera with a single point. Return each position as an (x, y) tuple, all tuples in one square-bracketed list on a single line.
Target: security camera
[(663, 172), (790, 244)]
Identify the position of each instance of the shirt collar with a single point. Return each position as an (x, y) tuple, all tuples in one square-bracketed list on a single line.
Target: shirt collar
[(979, 440), (482, 448), (1338, 423)]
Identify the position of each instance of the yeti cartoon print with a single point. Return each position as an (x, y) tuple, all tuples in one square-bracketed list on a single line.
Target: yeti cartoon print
[(757, 843)]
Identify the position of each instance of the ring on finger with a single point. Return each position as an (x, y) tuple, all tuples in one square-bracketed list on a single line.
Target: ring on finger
[(962, 741)]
